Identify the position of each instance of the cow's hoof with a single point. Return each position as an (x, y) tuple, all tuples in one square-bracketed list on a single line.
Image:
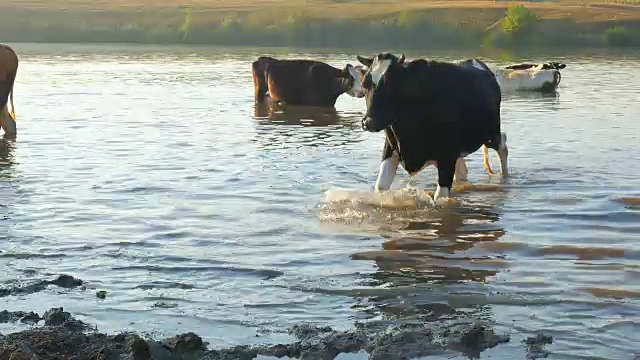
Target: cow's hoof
[(444, 201)]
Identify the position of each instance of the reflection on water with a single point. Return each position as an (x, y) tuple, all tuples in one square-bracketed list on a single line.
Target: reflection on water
[(284, 126), (298, 115), (431, 248), (8, 191), (550, 97), (6, 155), (423, 248), (212, 215)]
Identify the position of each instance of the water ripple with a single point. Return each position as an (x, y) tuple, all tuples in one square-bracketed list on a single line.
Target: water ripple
[(197, 210)]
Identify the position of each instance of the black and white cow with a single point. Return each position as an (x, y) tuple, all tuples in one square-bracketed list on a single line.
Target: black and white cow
[(542, 66), (543, 77), (433, 113)]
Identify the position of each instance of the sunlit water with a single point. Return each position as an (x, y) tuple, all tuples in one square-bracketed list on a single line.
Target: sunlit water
[(149, 173)]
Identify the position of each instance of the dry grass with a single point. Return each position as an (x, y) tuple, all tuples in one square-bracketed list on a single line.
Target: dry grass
[(486, 11)]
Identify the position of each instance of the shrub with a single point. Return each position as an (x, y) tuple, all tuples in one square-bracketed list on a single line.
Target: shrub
[(520, 21), (186, 23)]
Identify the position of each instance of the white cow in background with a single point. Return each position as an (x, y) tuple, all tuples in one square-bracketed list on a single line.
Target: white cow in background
[(531, 77)]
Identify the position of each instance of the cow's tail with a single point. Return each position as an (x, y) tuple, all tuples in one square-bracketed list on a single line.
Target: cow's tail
[(485, 154)]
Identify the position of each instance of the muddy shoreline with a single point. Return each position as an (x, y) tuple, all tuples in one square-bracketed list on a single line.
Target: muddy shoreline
[(58, 335)]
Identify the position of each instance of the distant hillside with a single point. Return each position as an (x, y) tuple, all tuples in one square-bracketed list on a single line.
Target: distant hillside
[(319, 22)]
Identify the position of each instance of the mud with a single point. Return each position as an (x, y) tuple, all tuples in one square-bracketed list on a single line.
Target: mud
[(63, 337)]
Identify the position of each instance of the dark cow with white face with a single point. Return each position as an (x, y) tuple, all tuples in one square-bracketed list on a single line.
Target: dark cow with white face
[(433, 113), (303, 82)]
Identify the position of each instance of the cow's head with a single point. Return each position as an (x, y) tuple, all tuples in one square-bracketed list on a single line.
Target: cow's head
[(353, 76), (557, 65), (379, 85), (550, 66), (379, 64)]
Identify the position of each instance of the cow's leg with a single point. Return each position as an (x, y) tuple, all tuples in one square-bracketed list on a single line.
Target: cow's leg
[(500, 146), (7, 122), (388, 168), (461, 170), (446, 171), (503, 154), (259, 82)]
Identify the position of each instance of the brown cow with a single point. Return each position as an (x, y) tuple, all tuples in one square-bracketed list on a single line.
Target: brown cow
[(8, 71), (304, 82)]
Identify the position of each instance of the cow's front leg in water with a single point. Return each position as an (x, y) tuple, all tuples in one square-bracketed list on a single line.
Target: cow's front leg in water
[(388, 169), (446, 171)]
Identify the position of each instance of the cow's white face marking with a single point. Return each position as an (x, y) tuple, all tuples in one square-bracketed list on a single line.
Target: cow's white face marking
[(387, 172), (356, 90), (378, 68)]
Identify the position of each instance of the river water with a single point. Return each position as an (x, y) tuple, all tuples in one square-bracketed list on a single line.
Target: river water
[(148, 172)]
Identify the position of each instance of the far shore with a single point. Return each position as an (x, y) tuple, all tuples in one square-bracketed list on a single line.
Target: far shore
[(427, 25)]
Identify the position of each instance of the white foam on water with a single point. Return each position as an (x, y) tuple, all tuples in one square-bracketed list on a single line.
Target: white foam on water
[(350, 205), (346, 205), (409, 197)]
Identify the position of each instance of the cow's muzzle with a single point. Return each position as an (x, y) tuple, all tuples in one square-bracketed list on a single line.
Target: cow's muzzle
[(371, 125)]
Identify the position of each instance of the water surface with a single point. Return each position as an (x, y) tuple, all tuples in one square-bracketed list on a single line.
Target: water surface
[(149, 173)]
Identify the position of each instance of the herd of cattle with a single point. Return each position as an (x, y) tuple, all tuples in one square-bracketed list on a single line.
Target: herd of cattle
[(432, 112)]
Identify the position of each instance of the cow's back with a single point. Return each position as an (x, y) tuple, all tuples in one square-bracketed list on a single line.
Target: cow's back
[(480, 113), (287, 78), (300, 81), (452, 87), (458, 106)]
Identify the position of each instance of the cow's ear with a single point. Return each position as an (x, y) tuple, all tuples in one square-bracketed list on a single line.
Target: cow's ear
[(401, 60), (365, 61), (346, 71)]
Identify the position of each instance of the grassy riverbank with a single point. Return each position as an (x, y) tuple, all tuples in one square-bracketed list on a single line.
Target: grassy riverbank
[(415, 24)]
